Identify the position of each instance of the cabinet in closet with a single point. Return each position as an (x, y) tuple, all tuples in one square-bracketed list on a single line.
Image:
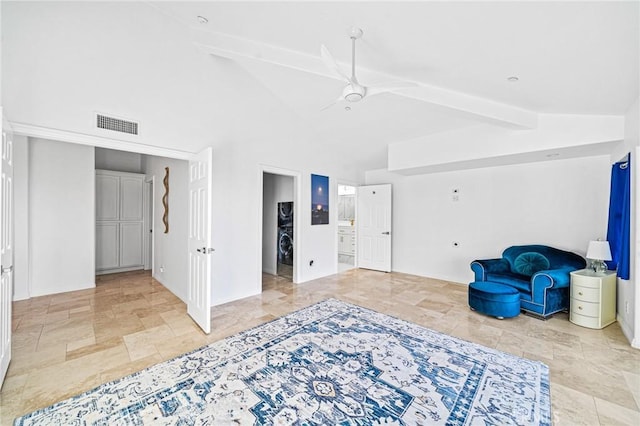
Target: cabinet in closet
[(119, 221)]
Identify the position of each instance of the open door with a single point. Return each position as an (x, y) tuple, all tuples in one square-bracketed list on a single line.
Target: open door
[(6, 248), (200, 181), (374, 227)]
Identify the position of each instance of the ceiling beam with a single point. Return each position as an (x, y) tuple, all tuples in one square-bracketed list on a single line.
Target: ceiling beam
[(475, 107)]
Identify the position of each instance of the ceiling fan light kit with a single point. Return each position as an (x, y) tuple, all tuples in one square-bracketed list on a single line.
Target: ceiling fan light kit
[(354, 91)]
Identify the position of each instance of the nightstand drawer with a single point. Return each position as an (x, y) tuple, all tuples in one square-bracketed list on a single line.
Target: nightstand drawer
[(585, 281), (585, 321), (586, 294), (585, 308)]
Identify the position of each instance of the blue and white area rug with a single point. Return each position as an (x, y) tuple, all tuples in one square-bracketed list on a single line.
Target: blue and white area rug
[(329, 364)]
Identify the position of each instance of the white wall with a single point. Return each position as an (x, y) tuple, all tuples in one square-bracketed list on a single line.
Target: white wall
[(170, 250), (485, 145), (627, 294), (119, 161), (131, 72), (278, 139), (64, 61), (62, 217), (277, 188), (21, 217), (560, 203)]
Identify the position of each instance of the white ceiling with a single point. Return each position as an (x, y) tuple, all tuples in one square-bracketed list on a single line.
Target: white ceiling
[(570, 57)]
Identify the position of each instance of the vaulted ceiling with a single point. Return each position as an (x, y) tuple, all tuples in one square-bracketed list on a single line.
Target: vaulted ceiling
[(568, 57)]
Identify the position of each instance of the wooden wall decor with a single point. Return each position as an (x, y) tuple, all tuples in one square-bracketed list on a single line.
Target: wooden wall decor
[(165, 201)]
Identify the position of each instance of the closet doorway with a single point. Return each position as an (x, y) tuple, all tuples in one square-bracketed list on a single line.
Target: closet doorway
[(278, 218), (280, 214)]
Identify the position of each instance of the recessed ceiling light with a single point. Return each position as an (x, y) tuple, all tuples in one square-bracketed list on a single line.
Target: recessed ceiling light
[(512, 79), (202, 20), (347, 108)]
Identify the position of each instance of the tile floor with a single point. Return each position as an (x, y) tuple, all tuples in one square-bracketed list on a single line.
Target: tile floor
[(68, 343)]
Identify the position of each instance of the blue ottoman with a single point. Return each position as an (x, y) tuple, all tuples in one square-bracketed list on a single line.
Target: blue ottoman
[(498, 300)]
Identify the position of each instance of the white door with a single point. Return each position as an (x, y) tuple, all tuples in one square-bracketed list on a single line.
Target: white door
[(199, 298), (6, 248), (374, 227)]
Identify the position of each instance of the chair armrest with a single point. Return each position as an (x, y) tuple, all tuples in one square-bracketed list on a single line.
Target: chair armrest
[(481, 267), (552, 278)]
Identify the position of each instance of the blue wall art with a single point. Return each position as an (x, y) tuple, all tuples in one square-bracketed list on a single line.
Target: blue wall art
[(319, 200)]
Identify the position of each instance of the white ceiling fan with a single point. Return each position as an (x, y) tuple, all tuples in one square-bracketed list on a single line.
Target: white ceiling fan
[(354, 91)]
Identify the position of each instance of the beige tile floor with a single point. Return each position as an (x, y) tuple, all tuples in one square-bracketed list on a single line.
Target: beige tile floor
[(68, 343)]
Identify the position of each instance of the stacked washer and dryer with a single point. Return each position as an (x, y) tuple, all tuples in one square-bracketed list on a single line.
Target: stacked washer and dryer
[(285, 239)]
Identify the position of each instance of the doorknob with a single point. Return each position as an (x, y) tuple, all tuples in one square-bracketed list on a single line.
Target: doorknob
[(205, 250), (386, 233), (6, 269)]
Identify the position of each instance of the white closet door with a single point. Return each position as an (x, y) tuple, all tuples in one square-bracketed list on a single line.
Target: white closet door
[(131, 189), (130, 244), (107, 247), (107, 197)]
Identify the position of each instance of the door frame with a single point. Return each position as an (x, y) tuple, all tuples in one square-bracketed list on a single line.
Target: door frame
[(355, 216), (149, 212), (99, 142), (297, 211)]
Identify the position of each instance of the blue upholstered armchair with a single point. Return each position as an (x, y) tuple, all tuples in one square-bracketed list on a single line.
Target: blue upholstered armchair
[(539, 273)]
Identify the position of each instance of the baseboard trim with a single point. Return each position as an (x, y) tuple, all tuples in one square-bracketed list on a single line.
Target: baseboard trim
[(65, 290), (184, 299), (117, 270), (626, 330)]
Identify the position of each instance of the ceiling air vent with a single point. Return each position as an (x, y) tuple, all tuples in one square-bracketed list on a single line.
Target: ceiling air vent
[(116, 124)]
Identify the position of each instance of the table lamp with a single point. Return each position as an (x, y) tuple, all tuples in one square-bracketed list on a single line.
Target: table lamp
[(597, 252)]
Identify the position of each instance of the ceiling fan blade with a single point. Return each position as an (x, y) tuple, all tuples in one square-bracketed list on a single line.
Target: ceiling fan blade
[(389, 87), (331, 63), (340, 99)]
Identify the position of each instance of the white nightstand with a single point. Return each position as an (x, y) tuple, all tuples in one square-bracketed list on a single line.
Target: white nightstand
[(593, 298)]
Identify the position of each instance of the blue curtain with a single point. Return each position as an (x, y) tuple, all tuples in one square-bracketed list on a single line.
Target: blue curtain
[(619, 220)]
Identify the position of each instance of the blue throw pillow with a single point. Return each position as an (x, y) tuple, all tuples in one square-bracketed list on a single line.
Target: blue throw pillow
[(529, 263)]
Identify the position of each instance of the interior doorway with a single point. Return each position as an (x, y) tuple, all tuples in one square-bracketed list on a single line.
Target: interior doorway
[(346, 227), (278, 230)]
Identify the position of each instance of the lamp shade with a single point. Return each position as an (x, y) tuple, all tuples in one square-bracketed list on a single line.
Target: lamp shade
[(599, 250)]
